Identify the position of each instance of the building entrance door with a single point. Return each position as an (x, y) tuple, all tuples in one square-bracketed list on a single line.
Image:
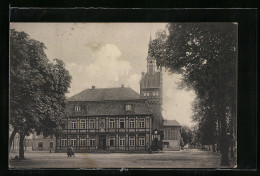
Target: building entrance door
[(102, 142)]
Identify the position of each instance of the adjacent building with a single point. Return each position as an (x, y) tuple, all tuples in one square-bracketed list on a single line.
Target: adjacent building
[(172, 133), (40, 143)]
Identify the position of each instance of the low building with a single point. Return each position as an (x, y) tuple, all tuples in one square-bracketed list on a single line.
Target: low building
[(40, 143), (172, 134), (107, 120)]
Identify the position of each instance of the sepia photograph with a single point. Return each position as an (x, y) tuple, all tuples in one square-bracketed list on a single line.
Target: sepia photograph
[(123, 95)]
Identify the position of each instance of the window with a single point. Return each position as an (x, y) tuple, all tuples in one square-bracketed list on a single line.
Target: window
[(83, 124), (145, 94), (132, 141), (148, 94), (111, 123), (122, 123), (73, 124), (64, 142), (153, 93), (77, 108), (92, 124), (82, 142), (128, 107), (157, 93), (112, 141), (141, 141), (141, 123), (131, 123), (51, 144), (92, 142), (40, 144), (73, 142), (121, 141)]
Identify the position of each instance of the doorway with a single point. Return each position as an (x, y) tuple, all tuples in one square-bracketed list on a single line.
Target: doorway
[(102, 142)]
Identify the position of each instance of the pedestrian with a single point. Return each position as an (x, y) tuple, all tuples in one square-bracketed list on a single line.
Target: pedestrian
[(72, 151), (69, 151)]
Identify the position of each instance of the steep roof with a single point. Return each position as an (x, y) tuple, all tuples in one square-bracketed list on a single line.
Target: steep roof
[(103, 108), (171, 123), (104, 94)]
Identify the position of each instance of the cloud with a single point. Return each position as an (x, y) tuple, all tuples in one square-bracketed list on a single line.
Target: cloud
[(133, 82), (105, 71)]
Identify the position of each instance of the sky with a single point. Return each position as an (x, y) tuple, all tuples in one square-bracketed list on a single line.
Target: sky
[(108, 55)]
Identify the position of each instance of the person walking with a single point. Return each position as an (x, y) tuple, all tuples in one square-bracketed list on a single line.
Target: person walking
[(72, 151), (69, 151)]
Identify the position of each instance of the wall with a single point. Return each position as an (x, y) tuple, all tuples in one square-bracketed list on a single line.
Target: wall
[(45, 142)]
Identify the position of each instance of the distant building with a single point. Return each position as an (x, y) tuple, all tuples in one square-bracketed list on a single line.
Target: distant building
[(40, 143), (109, 119), (15, 143), (172, 133)]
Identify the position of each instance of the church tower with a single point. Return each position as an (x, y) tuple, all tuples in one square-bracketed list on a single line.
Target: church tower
[(151, 89)]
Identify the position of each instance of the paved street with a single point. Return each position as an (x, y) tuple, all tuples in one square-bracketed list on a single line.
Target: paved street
[(170, 159)]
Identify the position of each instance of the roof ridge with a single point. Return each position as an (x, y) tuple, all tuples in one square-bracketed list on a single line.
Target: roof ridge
[(101, 94)]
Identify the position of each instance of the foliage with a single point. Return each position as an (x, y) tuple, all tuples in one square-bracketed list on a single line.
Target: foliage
[(205, 55), (37, 87)]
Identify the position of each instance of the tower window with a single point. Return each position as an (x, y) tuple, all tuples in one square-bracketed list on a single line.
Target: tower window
[(148, 93), (153, 93), (157, 93), (145, 94)]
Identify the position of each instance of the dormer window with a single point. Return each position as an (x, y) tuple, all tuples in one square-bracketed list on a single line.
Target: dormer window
[(128, 107), (77, 108)]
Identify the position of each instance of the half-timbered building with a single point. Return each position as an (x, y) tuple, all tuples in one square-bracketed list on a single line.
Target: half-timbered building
[(110, 119)]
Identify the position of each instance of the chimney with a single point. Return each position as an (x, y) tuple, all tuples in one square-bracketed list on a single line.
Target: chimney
[(122, 86), (93, 87)]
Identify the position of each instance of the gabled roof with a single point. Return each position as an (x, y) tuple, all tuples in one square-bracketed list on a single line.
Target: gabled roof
[(123, 93), (171, 123)]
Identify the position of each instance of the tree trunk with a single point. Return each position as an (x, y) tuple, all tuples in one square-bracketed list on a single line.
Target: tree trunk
[(224, 144), (233, 115), (11, 139), (21, 146)]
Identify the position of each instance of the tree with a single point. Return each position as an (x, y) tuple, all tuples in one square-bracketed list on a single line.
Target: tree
[(186, 135), (205, 55), (37, 89)]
